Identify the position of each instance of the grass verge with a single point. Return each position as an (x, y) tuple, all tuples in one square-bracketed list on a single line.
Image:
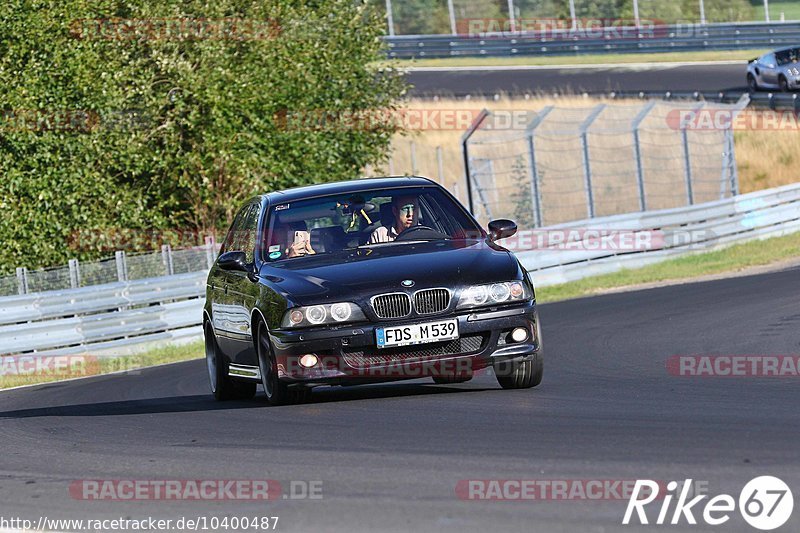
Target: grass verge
[(588, 59), (16, 371), (732, 259)]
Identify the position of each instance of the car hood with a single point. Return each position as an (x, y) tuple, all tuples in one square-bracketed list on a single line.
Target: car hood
[(354, 275)]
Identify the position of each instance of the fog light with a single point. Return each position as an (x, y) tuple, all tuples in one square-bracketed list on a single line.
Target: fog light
[(519, 334), (308, 360)]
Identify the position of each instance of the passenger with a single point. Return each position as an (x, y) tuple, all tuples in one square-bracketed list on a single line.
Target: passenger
[(283, 240), (404, 209)]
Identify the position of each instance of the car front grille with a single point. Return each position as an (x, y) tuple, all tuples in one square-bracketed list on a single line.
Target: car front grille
[(394, 305), (366, 357), (430, 301)]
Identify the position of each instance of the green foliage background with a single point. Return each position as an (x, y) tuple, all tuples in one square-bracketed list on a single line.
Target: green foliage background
[(183, 129)]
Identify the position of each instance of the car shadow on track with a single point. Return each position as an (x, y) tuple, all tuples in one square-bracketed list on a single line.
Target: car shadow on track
[(205, 402)]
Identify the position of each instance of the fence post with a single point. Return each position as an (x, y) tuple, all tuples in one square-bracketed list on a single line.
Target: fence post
[(166, 259), (487, 167), (687, 161), (440, 164), (122, 265), (536, 191), (587, 168), (390, 17), (687, 166), (465, 151), (210, 251), (74, 274), (741, 104), (637, 152), (734, 169), (22, 280)]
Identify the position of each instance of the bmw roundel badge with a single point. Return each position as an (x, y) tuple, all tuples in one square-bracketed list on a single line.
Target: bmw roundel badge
[(407, 283)]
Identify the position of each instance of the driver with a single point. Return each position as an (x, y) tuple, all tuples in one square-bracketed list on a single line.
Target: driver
[(404, 209)]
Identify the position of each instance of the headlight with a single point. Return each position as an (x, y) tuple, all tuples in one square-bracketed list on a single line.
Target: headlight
[(316, 315), (493, 294)]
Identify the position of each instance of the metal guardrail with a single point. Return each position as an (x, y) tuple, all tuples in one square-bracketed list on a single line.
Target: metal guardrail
[(657, 39), (697, 228), (107, 319), (104, 318)]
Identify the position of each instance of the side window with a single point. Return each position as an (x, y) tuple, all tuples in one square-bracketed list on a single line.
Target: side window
[(229, 245), (768, 59), (249, 231)]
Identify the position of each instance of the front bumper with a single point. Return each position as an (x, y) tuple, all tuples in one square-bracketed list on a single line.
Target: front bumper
[(348, 354)]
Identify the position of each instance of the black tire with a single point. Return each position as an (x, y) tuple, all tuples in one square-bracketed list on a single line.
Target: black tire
[(752, 83), (277, 392), (222, 386), (784, 84), (520, 375)]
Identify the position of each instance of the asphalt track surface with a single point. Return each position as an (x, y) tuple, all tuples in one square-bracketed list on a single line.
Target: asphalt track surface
[(390, 456), (652, 77)]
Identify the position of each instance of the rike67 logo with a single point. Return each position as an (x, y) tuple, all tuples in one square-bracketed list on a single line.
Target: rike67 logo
[(765, 503)]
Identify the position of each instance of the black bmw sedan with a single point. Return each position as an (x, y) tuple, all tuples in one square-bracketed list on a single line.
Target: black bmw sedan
[(365, 281)]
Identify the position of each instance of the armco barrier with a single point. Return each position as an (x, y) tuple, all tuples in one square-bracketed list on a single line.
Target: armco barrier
[(114, 317), (104, 318), (696, 228), (659, 39)]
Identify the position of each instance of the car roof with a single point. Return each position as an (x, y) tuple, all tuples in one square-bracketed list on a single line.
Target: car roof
[(345, 187), (783, 49)]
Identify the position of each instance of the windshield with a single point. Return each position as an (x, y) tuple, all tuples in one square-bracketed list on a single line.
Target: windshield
[(384, 217)]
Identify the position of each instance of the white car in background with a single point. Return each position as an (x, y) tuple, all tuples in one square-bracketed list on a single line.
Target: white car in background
[(776, 70)]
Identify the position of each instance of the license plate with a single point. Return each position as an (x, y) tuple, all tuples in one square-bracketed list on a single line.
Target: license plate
[(442, 330)]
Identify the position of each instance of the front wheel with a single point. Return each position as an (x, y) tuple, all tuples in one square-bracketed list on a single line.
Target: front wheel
[(784, 83), (752, 84), (277, 392), (222, 386), (521, 374)]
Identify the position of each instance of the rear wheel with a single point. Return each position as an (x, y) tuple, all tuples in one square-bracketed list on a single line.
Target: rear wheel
[(520, 374), (222, 386), (277, 392)]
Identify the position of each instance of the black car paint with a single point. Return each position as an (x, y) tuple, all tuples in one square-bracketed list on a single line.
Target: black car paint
[(354, 275)]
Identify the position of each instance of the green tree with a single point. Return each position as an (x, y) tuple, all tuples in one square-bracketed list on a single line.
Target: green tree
[(171, 112)]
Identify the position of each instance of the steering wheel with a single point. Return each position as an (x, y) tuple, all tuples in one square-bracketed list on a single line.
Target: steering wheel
[(420, 231)]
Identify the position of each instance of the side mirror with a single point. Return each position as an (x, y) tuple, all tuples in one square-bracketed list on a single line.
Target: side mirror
[(501, 228), (233, 261)]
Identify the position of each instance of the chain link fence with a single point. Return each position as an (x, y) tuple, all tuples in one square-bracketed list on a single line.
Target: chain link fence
[(568, 164), (122, 267), (459, 17)]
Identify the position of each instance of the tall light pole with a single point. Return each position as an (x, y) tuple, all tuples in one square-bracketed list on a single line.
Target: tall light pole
[(702, 12), (389, 17), (572, 13), (512, 23), (452, 12)]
